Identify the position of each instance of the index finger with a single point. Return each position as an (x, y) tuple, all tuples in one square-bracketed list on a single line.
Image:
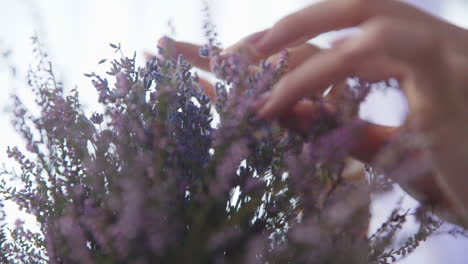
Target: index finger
[(327, 16), (190, 51)]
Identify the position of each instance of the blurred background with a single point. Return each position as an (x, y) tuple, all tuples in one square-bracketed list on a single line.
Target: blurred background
[(77, 35)]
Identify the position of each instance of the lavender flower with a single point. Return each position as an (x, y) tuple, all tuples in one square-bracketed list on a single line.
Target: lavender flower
[(153, 180)]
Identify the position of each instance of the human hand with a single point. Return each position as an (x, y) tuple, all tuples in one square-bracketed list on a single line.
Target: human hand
[(428, 56)]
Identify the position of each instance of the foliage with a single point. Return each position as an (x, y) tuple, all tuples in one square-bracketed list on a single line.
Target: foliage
[(166, 174)]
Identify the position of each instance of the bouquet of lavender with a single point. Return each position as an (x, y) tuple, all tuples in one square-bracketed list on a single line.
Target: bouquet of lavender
[(166, 174)]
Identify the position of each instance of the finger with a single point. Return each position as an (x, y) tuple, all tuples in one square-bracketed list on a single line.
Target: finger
[(208, 88), (337, 43), (380, 52), (337, 94), (370, 138), (244, 47), (305, 115), (191, 52), (296, 55), (327, 16), (319, 71), (148, 55)]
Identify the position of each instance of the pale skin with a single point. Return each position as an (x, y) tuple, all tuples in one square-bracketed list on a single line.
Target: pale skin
[(428, 56)]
